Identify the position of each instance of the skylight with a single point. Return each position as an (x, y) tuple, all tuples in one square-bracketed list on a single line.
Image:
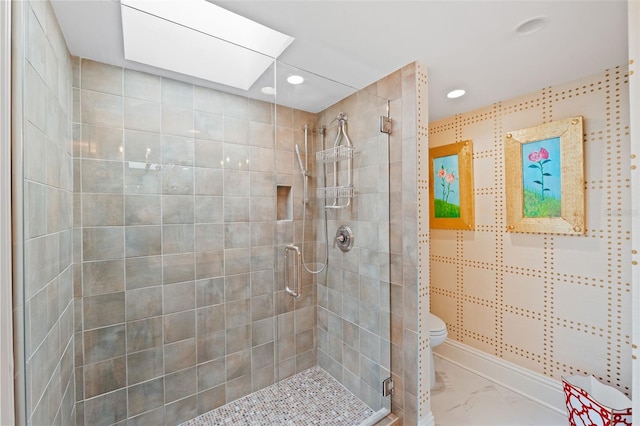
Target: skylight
[(198, 38)]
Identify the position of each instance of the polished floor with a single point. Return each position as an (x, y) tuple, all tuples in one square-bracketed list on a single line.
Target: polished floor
[(462, 398), (313, 397)]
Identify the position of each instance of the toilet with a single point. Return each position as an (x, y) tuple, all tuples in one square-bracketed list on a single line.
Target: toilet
[(437, 335)]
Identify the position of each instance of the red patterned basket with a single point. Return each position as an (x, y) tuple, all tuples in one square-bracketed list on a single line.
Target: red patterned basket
[(591, 403)]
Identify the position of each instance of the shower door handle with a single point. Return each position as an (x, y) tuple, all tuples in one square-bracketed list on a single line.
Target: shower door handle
[(297, 271)]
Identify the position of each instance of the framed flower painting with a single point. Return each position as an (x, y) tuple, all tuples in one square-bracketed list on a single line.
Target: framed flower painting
[(545, 178), (451, 186)]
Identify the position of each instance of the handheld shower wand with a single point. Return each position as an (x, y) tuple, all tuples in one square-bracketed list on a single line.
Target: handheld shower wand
[(305, 201), (302, 169), (304, 173)]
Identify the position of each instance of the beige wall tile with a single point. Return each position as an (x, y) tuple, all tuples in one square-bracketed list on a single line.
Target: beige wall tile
[(179, 355), (145, 396), (104, 343), (103, 277), (182, 410), (101, 77), (144, 303), (144, 334), (101, 109), (106, 409), (101, 143), (177, 93), (105, 376), (143, 272), (179, 297), (180, 385), (177, 121), (179, 326), (142, 146), (140, 85), (208, 100), (142, 115)]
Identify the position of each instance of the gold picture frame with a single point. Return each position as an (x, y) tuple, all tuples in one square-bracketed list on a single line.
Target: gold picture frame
[(545, 178), (451, 186)]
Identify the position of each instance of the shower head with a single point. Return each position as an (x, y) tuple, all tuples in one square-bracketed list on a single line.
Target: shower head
[(302, 169)]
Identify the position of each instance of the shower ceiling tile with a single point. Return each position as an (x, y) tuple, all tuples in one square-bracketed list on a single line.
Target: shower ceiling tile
[(174, 35)]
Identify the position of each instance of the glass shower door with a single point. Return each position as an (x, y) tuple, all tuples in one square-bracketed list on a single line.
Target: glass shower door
[(340, 325)]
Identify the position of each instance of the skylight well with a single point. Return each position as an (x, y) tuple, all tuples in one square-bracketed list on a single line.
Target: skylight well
[(198, 38)]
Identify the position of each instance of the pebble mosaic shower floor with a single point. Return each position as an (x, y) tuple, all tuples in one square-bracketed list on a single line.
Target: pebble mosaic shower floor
[(311, 397)]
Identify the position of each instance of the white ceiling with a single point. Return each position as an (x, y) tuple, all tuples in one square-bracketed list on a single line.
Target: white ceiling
[(467, 44)]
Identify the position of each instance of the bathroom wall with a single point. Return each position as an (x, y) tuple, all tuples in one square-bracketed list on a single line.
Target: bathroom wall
[(555, 304), (174, 213), (47, 223)]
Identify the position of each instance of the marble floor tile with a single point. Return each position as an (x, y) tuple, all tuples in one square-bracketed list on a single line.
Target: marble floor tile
[(462, 398)]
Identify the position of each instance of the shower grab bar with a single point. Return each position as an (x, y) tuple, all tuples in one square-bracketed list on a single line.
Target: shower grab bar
[(297, 271)]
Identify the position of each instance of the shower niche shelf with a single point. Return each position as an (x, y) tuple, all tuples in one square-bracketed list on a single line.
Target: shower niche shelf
[(284, 203)]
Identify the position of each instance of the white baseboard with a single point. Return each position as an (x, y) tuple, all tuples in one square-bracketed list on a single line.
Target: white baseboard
[(535, 386), (427, 420)]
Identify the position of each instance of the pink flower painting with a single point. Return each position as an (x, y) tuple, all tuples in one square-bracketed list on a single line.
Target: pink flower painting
[(447, 178), (542, 178), (446, 187), (540, 158)]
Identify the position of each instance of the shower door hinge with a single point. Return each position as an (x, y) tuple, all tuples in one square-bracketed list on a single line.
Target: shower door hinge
[(385, 124), (387, 387)]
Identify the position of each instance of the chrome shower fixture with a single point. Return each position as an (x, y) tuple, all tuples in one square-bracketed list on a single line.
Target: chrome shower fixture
[(305, 175), (302, 169)]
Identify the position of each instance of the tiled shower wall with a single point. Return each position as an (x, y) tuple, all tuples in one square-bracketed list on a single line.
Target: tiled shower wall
[(353, 295), (379, 276), (151, 236), (555, 304), (47, 186), (174, 213)]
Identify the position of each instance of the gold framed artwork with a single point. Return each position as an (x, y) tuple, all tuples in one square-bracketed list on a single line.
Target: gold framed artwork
[(451, 186), (545, 178)]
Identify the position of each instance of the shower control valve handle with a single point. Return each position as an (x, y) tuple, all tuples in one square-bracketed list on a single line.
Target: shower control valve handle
[(343, 238)]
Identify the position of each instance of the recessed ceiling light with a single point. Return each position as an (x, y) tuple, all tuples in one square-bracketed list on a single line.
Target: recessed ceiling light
[(295, 79), (455, 93), (532, 25), (268, 90)]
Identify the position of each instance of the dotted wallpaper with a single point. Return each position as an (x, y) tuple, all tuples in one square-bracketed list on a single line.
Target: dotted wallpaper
[(422, 120), (556, 304)]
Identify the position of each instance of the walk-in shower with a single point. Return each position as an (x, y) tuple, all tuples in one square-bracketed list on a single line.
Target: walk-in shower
[(154, 234)]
